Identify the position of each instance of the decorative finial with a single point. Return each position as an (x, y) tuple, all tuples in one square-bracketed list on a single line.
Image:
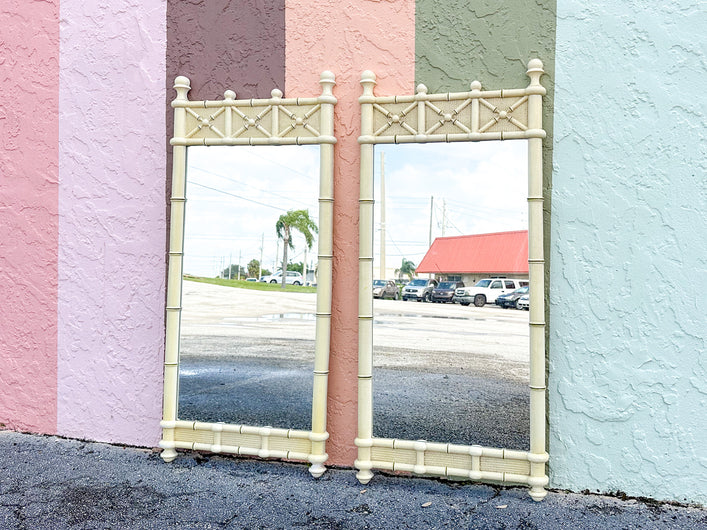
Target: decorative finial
[(535, 65), (475, 85), (182, 85), (368, 77), (182, 82), (327, 80), (421, 89), (327, 77), (276, 93), (229, 95), (535, 72)]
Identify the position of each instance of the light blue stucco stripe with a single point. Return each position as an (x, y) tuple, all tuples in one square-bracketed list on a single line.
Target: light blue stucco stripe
[(628, 370)]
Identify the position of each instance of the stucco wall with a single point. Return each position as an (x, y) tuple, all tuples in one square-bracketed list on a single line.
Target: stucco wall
[(29, 128), (628, 372), (112, 220), (82, 200), (347, 38), (457, 41)]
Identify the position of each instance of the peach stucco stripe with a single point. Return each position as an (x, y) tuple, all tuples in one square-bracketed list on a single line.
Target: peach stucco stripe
[(29, 131), (347, 38)]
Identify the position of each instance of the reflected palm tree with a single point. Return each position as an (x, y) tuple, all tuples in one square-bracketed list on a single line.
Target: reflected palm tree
[(407, 268), (294, 220)]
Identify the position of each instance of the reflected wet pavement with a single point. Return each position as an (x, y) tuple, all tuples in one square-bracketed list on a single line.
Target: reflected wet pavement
[(248, 391), (259, 389)]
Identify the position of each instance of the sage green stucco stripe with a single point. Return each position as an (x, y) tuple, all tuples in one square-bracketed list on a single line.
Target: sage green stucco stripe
[(459, 41)]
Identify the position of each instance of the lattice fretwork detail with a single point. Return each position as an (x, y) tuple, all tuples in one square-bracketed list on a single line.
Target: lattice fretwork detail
[(462, 116), (254, 123), (272, 121)]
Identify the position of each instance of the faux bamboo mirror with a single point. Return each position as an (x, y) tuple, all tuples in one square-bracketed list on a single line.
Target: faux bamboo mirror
[(478, 115), (223, 364), (449, 367)]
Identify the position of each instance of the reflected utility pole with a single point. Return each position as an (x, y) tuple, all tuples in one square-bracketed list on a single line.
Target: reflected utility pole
[(304, 265), (277, 256), (382, 247), (429, 237), (260, 263), (444, 215)]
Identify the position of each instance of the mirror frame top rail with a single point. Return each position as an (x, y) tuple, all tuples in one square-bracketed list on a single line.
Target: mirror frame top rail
[(477, 115), (227, 122)]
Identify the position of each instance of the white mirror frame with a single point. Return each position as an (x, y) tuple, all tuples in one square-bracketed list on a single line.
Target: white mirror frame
[(454, 117), (228, 122)]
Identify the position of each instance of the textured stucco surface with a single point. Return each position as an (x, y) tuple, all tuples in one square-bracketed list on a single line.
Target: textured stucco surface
[(29, 128), (112, 220), (457, 42), (224, 45), (347, 38), (628, 369)]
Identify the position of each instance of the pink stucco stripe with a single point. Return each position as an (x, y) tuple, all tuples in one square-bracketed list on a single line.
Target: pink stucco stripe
[(111, 220), (347, 38), (29, 128)]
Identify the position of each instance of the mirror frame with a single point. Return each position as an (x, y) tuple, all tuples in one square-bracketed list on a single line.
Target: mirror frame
[(507, 114), (229, 122)]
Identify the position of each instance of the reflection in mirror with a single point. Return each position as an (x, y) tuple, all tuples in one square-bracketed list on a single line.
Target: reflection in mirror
[(448, 372), (247, 345)]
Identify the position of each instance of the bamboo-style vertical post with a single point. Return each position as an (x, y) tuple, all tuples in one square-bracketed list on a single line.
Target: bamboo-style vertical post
[(174, 278), (364, 440), (275, 112), (319, 434), (421, 97), (536, 265), (229, 95), (475, 91)]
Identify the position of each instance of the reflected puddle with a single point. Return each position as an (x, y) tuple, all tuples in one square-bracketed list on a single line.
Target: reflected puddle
[(224, 370), (274, 317), (416, 315)]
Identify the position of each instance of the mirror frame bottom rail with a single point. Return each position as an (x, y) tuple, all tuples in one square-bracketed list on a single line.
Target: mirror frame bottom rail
[(263, 442), (472, 462)]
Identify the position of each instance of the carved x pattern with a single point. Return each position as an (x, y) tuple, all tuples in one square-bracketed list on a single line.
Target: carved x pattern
[(503, 114)]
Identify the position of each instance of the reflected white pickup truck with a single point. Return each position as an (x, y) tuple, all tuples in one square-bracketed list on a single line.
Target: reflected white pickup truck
[(485, 291)]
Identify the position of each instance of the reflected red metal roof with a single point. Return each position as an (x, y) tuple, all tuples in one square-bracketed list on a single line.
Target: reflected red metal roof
[(497, 253)]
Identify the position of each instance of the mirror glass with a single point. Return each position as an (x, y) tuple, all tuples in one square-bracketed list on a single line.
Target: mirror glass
[(247, 344), (447, 372)]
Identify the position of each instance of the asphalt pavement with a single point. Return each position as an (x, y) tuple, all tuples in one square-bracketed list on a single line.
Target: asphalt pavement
[(53, 483)]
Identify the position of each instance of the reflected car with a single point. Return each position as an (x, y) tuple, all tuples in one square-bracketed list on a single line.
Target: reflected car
[(511, 299), (292, 278), (523, 302), (444, 292), (419, 289), (385, 289)]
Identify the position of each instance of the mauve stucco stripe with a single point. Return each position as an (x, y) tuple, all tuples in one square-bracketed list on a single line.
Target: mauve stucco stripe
[(347, 37), (221, 45), (112, 220), (29, 130)]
